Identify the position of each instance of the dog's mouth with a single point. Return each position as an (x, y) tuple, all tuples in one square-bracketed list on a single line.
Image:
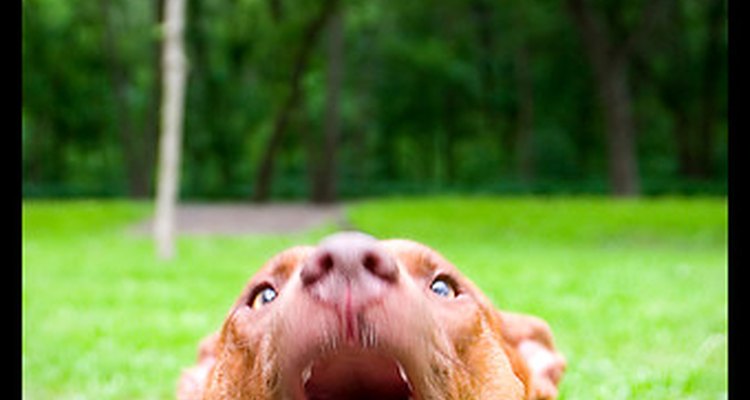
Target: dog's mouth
[(364, 375)]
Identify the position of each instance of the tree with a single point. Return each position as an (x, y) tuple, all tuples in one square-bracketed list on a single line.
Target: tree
[(462, 95), (609, 46), (713, 65), (136, 147), (310, 35), (323, 185), (174, 76)]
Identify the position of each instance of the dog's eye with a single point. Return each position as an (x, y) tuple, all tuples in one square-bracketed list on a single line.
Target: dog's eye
[(263, 297), (443, 288)]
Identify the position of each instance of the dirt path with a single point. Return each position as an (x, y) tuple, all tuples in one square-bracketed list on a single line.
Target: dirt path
[(239, 219)]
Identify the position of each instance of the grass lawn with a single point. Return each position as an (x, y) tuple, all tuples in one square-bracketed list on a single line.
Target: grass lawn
[(636, 291)]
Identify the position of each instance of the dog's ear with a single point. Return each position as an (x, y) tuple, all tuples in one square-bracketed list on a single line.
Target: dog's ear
[(496, 321), (530, 339), (193, 380)]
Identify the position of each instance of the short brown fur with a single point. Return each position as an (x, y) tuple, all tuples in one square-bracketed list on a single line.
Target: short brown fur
[(465, 350)]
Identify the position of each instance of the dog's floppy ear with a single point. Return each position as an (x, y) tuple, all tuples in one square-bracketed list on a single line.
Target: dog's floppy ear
[(498, 324), (193, 380), (530, 339)]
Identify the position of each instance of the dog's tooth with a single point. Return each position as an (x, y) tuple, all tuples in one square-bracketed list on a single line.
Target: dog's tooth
[(402, 373), (334, 342), (306, 374), (368, 337), (405, 378)]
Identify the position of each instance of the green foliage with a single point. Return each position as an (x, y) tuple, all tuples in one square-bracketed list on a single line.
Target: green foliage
[(636, 291), (432, 96)]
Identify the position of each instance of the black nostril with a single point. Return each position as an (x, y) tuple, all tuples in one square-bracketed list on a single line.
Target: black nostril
[(379, 266), (325, 262), (370, 261), (317, 268)]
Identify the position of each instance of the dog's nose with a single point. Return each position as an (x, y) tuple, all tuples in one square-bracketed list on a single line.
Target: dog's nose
[(349, 264), (351, 256)]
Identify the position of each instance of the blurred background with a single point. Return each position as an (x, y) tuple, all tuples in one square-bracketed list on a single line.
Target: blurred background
[(330, 100)]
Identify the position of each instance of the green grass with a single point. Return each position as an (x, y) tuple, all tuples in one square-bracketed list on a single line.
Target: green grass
[(636, 291)]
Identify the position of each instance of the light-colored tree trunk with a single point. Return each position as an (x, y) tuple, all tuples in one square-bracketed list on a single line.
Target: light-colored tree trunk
[(174, 77)]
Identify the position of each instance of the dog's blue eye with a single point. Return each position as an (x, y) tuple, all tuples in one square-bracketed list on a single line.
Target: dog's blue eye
[(442, 288), (263, 297)]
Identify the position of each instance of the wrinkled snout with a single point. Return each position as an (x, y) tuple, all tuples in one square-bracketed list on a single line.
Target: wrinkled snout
[(349, 270)]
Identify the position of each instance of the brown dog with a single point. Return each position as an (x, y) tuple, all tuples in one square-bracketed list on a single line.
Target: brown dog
[(358, 318)]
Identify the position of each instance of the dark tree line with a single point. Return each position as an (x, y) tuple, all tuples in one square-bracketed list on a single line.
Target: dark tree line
[(337, 98)]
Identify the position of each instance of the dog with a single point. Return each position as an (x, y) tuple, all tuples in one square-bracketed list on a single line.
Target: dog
[(361, 318)]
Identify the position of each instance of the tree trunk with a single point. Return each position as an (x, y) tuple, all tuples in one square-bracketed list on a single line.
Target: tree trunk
[(710, 89), (610, 61), (445, 138), (174, 77), (525, 122), (325, 172), (614, 91), (483, 18), (682, 137), (693, 111), (264, 175), (131, 146)]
